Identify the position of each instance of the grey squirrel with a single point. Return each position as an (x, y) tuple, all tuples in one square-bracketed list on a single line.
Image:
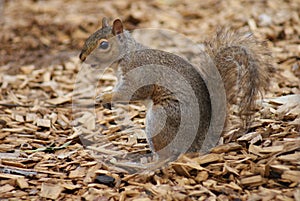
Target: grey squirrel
[(241, 60)]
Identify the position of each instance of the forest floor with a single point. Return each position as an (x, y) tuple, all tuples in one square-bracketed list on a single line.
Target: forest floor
[(41, 154)]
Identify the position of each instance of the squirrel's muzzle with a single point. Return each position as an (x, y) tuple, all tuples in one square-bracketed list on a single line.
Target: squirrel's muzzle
[(82, 57)]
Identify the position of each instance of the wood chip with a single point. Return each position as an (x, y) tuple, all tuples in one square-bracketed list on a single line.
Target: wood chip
[(248, 136), (272, 149), (19, 118), (30, 117), (226, 148), (253, 180), (43, 123), (51, 191), (209, 158), (70, 186), (78, 172), (6, 188), (181, 170), (22, 183), (59, 100), (291, 175), (290, 157), (201, 176)]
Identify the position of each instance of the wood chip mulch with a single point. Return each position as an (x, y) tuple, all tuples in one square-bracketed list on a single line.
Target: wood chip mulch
[(42, 156)]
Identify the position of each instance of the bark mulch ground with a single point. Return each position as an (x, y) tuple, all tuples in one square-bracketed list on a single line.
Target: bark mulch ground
[(41, 154)]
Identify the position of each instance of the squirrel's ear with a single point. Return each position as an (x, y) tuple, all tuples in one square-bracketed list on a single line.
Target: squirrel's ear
[(117, 27), (104, 22)]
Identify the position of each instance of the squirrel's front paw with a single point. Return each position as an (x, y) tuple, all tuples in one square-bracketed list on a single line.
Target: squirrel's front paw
[(105, 99)]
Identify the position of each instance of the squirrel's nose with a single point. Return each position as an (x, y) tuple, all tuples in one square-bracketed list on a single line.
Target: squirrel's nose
[(82, 57)]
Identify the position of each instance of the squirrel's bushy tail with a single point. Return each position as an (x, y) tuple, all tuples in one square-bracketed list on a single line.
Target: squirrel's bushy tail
[(244, 65)]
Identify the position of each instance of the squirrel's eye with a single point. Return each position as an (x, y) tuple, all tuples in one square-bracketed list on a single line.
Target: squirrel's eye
[(104, 45)]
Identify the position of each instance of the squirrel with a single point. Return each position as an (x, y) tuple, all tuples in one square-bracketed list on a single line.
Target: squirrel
[(241, 60)]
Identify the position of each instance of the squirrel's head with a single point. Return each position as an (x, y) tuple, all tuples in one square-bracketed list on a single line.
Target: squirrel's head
[(101, 38)]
